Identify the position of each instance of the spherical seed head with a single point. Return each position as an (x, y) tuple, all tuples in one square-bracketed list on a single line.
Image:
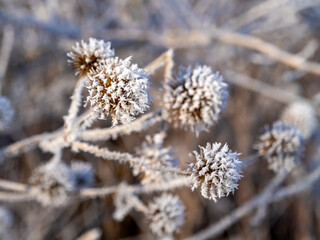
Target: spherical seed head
[(83, 174), (118, 88), (281, 145), (194, 98), (87, 56), (52, 184), (6, 113), (166, 214), (303, 115), (154, 154), (217, 170)]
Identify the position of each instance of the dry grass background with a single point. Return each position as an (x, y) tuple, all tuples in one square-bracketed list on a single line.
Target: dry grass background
[(39, 82)]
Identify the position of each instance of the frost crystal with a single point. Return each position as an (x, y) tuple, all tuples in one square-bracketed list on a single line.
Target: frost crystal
[(83, 174), (281, 145), (154, 154), (52, 184), (303, 115), (194, 98), (87, 56), (118, 88), (6, 113), (216, 170), (6, 220), (167, 215)]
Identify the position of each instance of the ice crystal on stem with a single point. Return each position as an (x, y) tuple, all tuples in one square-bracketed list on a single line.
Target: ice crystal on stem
[(166, 214), (281, 145), (154, 154), (83, 174), (6, 113), (217, 170), (303, 115), (52, 184), (118, 88), (194, 98), (87, 56)]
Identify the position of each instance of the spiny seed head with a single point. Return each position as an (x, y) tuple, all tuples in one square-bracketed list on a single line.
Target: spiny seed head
[(281, 145), (118, 88), (303, 115), (194, 98), (216, 170), (166, 214), (6, 113), (87, 56), (154, 154), (52, 184), (83, 174)]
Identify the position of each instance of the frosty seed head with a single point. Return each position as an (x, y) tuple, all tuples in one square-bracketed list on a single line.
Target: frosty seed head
[(216, 170), (87, 56), (52, 184), (6, 113), (154, 154), (118, 88), (303, 115), (166, 214), (83, 174), (194, 98), (281, 145)]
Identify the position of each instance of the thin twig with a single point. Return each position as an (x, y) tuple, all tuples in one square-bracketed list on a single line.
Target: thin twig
[(13, 186)]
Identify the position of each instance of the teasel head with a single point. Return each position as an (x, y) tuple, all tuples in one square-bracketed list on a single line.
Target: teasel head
[(281, 145), (303, 115), (52, 184), (83, 174), (216, 170), (118, 88), (155, 154), (87, 55), (194, 98), (166, 214), (6, 113)]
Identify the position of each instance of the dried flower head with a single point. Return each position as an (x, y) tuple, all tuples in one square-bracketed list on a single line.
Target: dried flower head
[(87, 56), (83, 174), (118, 88), (166, 214), (303, 115), (6, 220), (52, 184), (216, 170), (154, 154), (281, 145), (194, 98), (6, 113)]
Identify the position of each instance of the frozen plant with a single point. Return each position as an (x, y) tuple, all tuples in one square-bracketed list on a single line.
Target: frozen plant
[(281, 145), (194, 98), (216, 170), (118, 88), (6, 113), (166, 214), (303, 115)]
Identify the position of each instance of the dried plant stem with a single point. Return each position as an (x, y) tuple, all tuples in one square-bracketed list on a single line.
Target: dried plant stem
[(138, 205), (13, 186), (164, 58), (14, 197), (138, 125)]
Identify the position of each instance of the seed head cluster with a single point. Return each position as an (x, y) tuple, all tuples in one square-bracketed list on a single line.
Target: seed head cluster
[(281, 145), (87, 56), (216, 170), (166, 214), (118, 88), (194, 98)]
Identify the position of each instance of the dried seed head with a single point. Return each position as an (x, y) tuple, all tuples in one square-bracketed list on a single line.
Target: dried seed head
[(6, 113), (118, 88), (83, 174), (52, 184), (194, 98), (87, 56), (281, 145), (166, 214), (216, 170), (154, 154), (303, 115)]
